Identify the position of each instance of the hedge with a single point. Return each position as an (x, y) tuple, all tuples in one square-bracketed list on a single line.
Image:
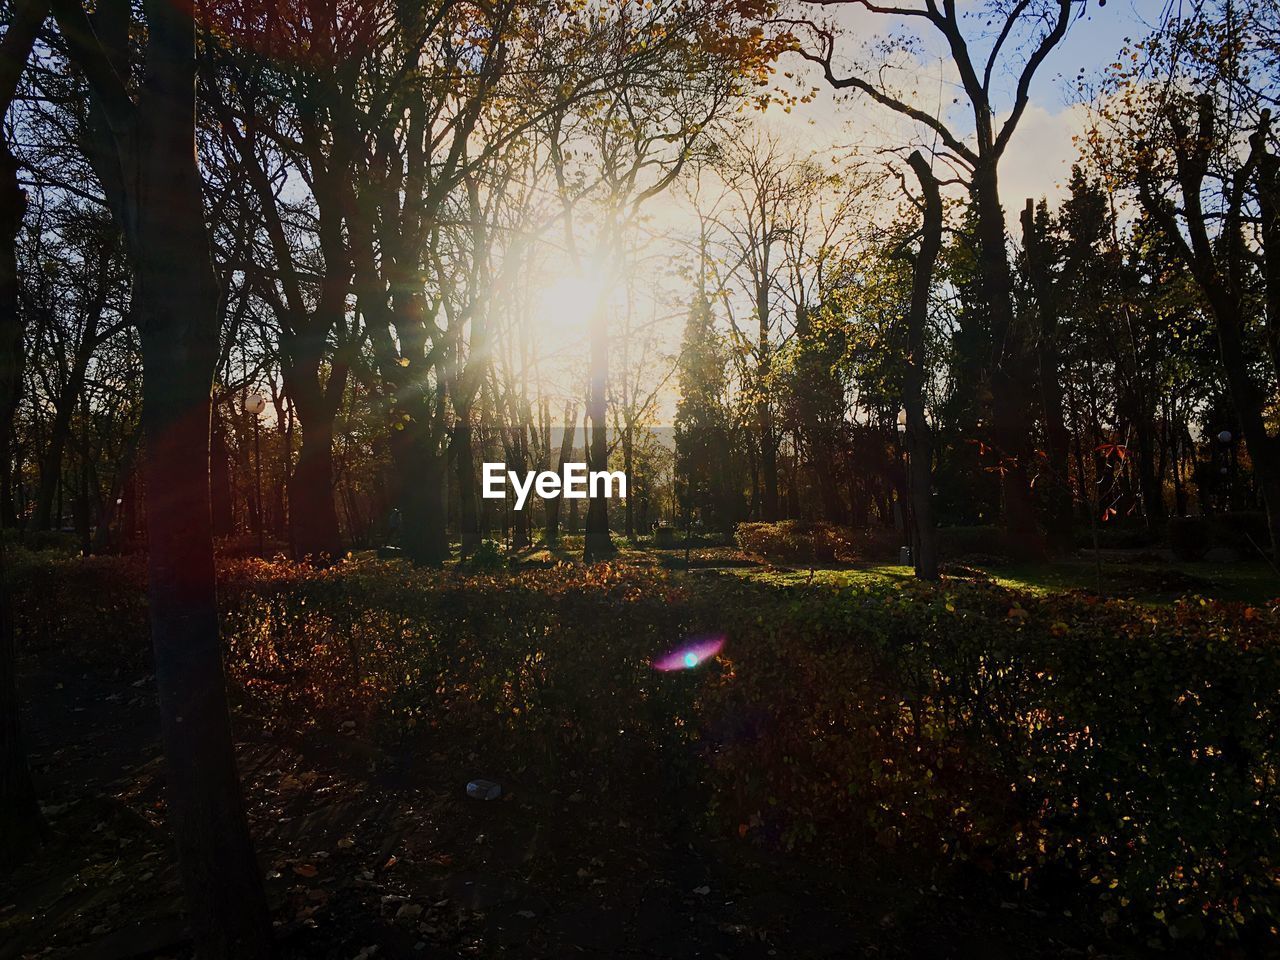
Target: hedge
[(1128, 752)]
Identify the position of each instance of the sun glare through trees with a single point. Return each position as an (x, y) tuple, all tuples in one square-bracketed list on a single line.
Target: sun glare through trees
[(639, 479)]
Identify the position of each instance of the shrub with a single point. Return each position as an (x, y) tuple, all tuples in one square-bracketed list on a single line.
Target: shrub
[(1118, 536), (244, 546), (52, 541), (1130, 748), (875, 543), (795, 541), (1189, 537), (488, 557), (73, 610)]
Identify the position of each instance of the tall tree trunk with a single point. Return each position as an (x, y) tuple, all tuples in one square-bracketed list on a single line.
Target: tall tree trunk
[(464, 466), (150, 174), (285, 428), (1011, 430), (13, 205), (224, 893), (179, 325), (598, 544), (1059, 500), (1150, 488), (518, 460), (420, 474), (551, 536), (313, 513), (313, 516), (80, 506), (919, 434), (21, 825), (1268, 190)]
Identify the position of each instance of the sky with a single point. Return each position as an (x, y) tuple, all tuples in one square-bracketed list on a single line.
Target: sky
[(1041, 152), (1037, 163)]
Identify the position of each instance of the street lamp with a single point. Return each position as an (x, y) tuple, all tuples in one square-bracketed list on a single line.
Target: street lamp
[(254, 404)]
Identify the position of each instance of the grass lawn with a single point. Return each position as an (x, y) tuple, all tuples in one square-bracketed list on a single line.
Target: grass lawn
[(1127, 576), (1147, 582)]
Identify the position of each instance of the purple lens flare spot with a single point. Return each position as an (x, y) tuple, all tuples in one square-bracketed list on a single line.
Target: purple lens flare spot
[(697, 651)]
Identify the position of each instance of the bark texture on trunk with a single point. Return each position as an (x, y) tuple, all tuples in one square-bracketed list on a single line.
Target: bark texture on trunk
[(551, 536), (13, 205), (464, 467), (21, 825), (1010, 424), (150, 174), (225, 901), (919, 435), (313, 515), (598, 544), (420, 476)]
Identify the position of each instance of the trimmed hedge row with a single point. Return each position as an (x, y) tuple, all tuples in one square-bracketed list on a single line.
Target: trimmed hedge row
[(815, 541)]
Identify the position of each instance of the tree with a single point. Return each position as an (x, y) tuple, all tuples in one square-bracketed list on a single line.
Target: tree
[(676, 74), (702, 441), (21, 824), (768, 185), (979, 157), (1038, 257), (276, 122), (80, 284), (551, 534), (824, 229), (1199, 145), (146, 159), (919, 439)]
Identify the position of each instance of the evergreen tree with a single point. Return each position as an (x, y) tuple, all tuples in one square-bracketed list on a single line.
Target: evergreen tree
[(967, 478), (702, 468)]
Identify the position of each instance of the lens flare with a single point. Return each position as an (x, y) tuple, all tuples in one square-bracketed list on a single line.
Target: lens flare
[(697, 651)]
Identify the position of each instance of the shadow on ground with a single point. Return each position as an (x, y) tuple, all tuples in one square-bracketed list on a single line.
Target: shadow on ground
[(368, 855)]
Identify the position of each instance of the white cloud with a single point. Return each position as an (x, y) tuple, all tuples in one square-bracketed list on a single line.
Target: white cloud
[(1037, 162)]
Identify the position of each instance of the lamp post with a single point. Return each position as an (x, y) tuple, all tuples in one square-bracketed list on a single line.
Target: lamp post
[(254, 404)]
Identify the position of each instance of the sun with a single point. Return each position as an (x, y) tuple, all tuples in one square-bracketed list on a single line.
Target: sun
[(562, 310)]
